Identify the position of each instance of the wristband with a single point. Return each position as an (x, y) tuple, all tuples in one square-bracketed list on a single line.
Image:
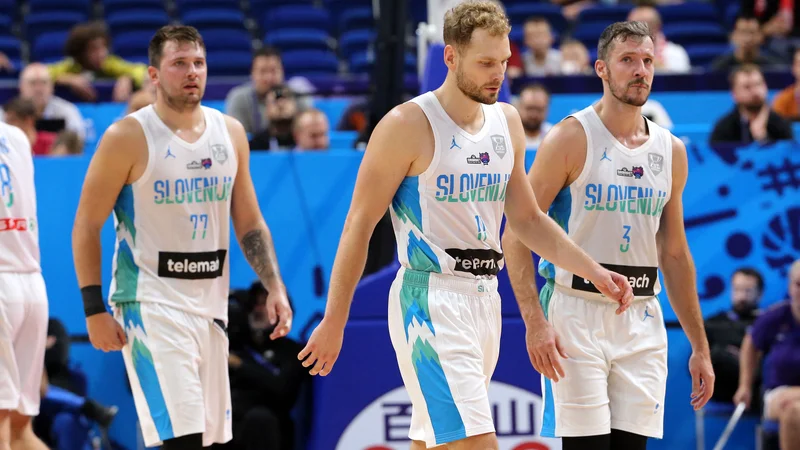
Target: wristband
[(93, 300)]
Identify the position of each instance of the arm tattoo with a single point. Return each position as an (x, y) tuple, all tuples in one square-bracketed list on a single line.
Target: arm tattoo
[(260, 253)]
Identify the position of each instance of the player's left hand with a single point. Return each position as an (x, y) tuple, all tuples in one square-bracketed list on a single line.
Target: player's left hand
[(279, 311), (617, 288), (702, 379)]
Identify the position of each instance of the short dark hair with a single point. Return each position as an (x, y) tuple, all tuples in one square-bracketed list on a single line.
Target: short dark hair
[(21, 107), (621, 32), (267, 52), (535, 86), (175, 33), (743, 68), (750, 272), (80, 36)]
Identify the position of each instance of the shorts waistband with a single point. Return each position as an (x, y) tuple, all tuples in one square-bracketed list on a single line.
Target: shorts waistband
[(462, 285), (588, 295)]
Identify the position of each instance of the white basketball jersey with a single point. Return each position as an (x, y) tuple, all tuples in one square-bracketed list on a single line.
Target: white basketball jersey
[(447, 219), (613, 209), (173, 223), (19, 233)]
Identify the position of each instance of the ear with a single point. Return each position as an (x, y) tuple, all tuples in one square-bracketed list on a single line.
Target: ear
[(450, 57), (152, 73), (600, 68)]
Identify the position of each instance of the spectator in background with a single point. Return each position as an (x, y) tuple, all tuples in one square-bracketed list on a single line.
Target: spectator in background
[(751, 120), (266, 377), (143, 97), (66, 144), (539, 57), (36, 85), (787, 102), (22, 114), (727, 330), (575, 58), (746, 39), (780, 22), (311, 130), (533, 106), (775, 336), (670, 57), (281, 109), (88, 59), (248, 102)]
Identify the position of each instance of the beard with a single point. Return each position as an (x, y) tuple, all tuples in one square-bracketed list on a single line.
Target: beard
[(744, 309), (182, 101), (531, 126), (473, 91), (753, 106), (621, 92)]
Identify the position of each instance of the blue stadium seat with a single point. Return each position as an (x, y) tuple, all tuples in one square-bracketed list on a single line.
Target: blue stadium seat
[(518, 14), (228, 39), (10, 46), (260, 8), (299, 39), (115, 6), (356, 18), (355, 41), (689, 34), (132, 43), (589, 32), (362, 62), (79, 6), (731, 13), (8, 7), (229, 62), (5, 25), (188, 5), (213, 18), (702, 55), (137, 20), (297, 16), (609, 14), (45, 22), (49, 47), (689, 12), (310, 63)]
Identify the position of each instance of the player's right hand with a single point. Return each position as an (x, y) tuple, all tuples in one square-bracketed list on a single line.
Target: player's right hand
[(617, 288), (544, 349), (105, 333), (743, 395), (322, 349)]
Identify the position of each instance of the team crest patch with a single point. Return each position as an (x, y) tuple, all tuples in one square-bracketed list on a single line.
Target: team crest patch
[(499, 145), (484, 158), (656, 162), (220, 153)]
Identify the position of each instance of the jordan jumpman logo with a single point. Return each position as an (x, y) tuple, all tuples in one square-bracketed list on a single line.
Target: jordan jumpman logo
[(647, 314), (604, 155), (454, 144), (169, 153)]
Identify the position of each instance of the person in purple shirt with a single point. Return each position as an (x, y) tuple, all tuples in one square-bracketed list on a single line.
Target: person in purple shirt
[(776, 336)]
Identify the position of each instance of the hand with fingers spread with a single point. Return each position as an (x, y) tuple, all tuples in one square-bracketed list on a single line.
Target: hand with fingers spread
[(616, 287), (279, 311), (105, 333), (702, 379), (322, 349), (544, 350)]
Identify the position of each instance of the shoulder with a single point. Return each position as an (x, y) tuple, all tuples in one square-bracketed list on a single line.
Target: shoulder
[(234, 126), (407, 117), (774, 315), (566, 136), (126, 132), (239, 92), (15, 135)]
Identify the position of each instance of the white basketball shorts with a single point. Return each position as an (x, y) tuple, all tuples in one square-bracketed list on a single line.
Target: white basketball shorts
[(177, 364), (23, 337), (446, 334), (616, 370)]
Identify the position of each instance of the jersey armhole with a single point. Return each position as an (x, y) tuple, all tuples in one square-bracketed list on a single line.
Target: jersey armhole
[(425, 174), (668, 160), (587, 163), (150, 152)]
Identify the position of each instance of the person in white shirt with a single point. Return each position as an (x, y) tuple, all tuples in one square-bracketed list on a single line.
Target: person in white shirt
[(670, 57), (533, 106)]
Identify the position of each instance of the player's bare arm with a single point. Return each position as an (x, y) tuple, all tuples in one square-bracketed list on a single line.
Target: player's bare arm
[(677, 264), (391, 154), (559, 160), (542, 235), (119, 160), (254, 236)]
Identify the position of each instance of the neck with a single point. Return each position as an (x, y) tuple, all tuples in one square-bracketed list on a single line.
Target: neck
[(620, 118), (185, 119), (31, 133), (540, 55), (795, 310), (463, 110), (743, 55)]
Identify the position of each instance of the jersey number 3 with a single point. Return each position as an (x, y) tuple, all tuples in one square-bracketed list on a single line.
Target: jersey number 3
[(626, 246), (481, 228)]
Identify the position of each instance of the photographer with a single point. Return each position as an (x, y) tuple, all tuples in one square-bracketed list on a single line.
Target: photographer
[(266, 377)]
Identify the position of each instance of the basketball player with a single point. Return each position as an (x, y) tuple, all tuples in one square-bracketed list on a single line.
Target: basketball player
[(449, 163), (174, 173), (613, 180), (23, 298)]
